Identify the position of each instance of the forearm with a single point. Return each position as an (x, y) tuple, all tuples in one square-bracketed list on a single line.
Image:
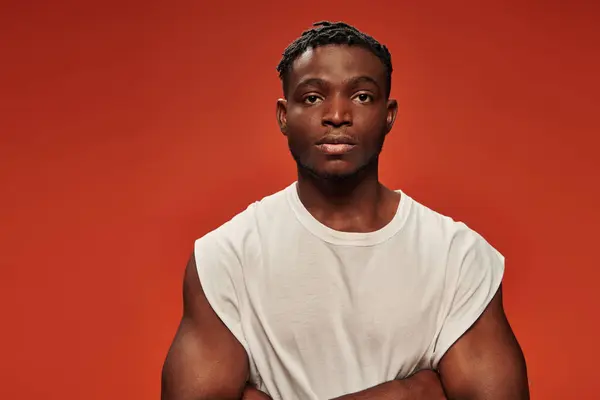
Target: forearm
[(393, 390), (423, 385)]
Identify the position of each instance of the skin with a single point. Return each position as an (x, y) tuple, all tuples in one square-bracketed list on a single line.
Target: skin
[(340, 91), (205, 360)]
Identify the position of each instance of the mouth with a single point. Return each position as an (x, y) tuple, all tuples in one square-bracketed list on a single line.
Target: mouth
[(336, 145), (335, 149)]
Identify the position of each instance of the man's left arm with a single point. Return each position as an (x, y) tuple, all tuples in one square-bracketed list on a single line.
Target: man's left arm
[(486, 362), (476, 353)]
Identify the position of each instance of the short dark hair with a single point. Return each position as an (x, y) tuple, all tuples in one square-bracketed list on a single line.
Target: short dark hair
[(325, 33)]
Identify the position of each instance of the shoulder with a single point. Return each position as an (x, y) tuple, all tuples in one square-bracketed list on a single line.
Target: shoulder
[(239, 232), (438, 231)]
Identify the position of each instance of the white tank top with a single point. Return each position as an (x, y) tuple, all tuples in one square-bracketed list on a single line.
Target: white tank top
[(323, 313)]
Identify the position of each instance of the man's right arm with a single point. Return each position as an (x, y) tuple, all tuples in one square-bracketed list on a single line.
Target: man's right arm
[(205, 360), (424, 384)]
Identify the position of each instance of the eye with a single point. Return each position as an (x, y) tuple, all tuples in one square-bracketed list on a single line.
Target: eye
[(312, 99), (364, 98)]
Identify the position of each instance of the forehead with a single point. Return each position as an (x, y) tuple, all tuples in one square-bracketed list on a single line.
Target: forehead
[(334, 62)]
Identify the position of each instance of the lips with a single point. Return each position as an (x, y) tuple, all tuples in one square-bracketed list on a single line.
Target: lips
[(335, 149), (336, 145), (336, 139)]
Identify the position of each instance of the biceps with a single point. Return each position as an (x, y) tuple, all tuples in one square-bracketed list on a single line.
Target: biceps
[(487, 361), (203, 366)]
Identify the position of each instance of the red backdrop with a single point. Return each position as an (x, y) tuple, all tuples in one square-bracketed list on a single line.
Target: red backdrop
[(128, 130)]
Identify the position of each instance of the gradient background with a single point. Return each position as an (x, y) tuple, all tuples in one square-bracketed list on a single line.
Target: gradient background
[(130, 129)]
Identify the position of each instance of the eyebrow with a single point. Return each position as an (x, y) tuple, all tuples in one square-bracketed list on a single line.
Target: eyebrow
[(363, 79), (352, 81), (312, 81)]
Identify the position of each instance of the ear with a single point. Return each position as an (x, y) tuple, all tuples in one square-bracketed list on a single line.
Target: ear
[(282, 115), (392, 111)]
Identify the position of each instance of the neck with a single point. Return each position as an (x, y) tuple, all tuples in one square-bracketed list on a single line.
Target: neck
[(358, 203)]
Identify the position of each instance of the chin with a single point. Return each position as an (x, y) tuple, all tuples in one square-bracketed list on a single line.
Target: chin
[(327, 169), (335, 173)]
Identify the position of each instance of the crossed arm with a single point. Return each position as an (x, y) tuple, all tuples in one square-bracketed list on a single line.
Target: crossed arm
[(206, 362), (486, 363)]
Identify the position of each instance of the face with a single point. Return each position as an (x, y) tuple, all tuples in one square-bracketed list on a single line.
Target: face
[(336, 114)]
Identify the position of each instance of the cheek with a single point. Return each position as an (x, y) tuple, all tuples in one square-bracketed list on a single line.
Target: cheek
[(304, 123), (302, 117), (373, 124)]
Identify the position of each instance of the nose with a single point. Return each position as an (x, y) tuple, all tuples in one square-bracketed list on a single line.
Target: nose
[(338, 112)]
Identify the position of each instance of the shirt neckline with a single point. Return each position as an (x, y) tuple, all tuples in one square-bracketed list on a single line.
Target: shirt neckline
[(336, 237)]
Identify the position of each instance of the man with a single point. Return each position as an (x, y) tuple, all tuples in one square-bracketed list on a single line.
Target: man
[(336, 286)]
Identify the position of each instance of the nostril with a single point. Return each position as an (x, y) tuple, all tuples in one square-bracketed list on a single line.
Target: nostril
[(337, 125)]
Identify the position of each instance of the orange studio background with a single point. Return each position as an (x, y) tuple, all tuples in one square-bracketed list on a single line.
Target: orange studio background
[(128, 129)]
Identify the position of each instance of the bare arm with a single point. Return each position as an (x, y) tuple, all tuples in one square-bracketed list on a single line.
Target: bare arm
[(424, 385), (486, 363), (205, 360)]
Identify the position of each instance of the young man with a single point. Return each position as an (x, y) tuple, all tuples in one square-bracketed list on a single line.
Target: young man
[(336, 286)]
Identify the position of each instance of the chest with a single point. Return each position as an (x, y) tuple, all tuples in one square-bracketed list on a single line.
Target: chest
[(335, 306)]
